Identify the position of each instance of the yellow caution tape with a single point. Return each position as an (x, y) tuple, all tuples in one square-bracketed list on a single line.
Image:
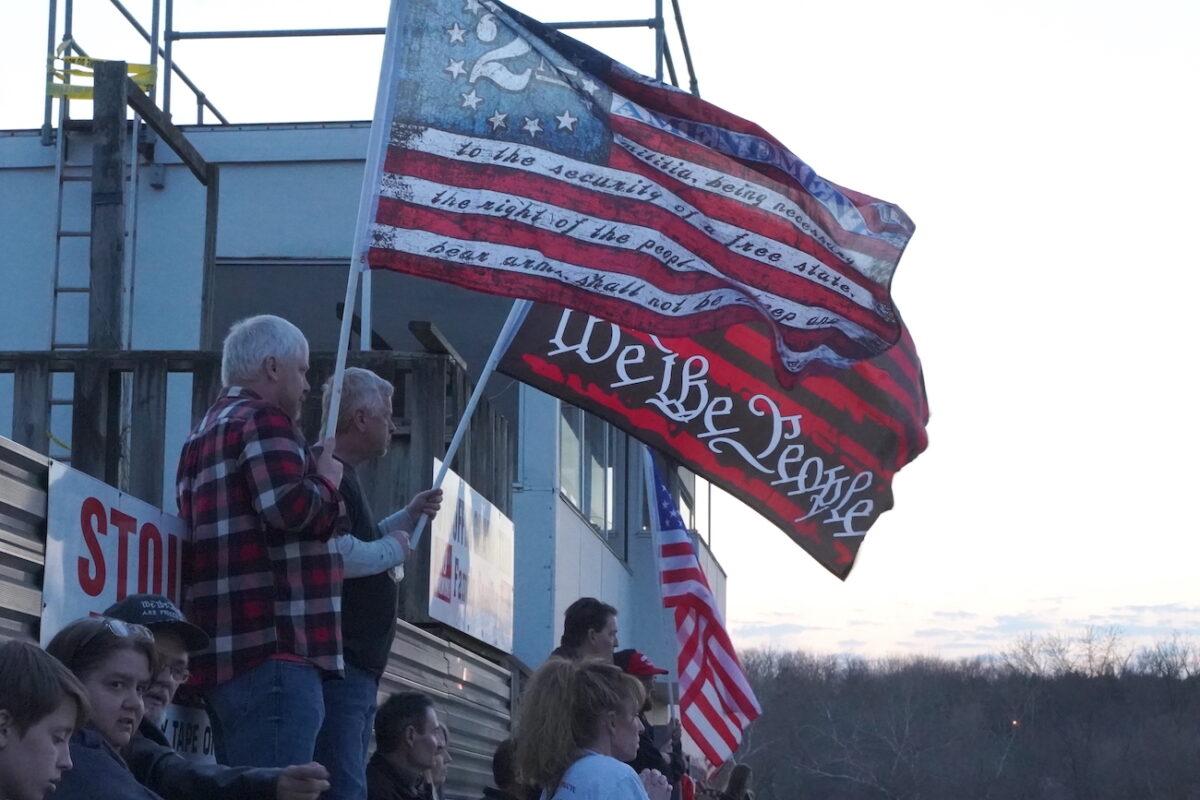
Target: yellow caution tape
[(72, 91), (142, 75), (58, 441)]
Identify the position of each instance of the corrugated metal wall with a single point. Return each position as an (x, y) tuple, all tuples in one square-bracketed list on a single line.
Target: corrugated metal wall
[(473, 698), (473, 695), (23, 476)]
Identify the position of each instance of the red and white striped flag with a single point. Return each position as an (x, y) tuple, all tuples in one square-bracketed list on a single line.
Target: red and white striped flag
[(716, 702), (517, 161)]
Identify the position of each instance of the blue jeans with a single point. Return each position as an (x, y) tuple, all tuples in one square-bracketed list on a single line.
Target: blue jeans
[(346, 734), (268, 716)]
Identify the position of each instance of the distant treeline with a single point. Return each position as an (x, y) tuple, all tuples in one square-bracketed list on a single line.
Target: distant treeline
[(1052, 719)]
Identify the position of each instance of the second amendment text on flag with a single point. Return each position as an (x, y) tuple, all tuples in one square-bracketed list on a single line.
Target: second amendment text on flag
[(489, 101)]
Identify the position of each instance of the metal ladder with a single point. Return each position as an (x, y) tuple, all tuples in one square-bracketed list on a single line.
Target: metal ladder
[(62, 384)]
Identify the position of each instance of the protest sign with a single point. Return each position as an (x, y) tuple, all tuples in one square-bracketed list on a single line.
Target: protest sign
[(471, 565)]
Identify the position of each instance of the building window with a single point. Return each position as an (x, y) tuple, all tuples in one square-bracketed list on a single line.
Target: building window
[(592, 472), (570, 456)]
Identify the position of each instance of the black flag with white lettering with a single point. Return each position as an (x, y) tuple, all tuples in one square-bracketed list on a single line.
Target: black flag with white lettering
[(816, 459)]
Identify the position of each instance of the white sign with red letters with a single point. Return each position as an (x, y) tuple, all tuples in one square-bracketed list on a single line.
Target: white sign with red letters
[(101, 546), (471, 565)]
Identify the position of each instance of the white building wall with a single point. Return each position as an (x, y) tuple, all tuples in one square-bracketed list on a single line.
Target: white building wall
[(169, 268), (27, 233), (270, 210), (535, 503), (587, 568)]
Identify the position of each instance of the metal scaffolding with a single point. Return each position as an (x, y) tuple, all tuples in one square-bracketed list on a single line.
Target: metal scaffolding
[(164, 11)]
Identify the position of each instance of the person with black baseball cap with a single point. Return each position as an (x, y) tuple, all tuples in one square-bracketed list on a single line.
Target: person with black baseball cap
[(150, 756), (174, 638)]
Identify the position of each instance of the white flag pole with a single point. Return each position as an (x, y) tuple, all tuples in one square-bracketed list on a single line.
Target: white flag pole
[(364, 316), (516, 316), (655, 542), (368, 201)]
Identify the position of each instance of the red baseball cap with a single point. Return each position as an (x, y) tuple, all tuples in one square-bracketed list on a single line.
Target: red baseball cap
[(633, 662)]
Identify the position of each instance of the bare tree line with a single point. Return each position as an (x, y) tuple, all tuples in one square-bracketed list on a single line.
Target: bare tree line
[(1052, 718)]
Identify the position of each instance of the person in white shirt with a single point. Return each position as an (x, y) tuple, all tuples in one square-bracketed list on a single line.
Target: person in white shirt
[(578, 725)]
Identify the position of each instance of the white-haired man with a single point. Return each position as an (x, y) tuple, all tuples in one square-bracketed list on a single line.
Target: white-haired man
[(260, 577), (370, 594)]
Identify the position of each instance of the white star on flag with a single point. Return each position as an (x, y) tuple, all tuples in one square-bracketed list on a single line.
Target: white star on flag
[(534, 126), (456, 33), (455, 68), (497, 120), (566, 121), (589, 87), (471, 100), (472, 6)]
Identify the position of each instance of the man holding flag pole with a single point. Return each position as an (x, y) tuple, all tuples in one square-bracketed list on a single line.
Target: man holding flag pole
[(373, 555)]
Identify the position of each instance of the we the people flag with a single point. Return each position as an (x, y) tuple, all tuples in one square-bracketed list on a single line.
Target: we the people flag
[(716, 703), (523, 163), (816, 458)]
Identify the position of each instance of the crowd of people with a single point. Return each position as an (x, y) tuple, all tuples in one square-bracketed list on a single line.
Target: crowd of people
[(290, 596)]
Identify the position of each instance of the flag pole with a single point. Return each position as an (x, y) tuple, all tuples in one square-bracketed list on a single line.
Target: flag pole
[(364, 316), (667, 621), (368, 201), (516, 315)]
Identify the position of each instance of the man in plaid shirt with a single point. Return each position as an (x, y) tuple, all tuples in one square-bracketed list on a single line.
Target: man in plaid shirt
[(260, 575)]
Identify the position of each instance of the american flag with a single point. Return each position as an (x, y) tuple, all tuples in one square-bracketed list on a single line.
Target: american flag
[(716, 702), (523, 163)]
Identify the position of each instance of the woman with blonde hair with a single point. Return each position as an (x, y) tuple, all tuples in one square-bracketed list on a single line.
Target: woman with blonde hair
[(579, 723)]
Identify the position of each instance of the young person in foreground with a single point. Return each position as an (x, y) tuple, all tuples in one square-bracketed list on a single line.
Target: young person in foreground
[(578, 724), (150, 757), (41, 706), (115, 662)]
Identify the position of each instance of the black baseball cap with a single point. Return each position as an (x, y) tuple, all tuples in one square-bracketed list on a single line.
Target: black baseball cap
[(158, 613)]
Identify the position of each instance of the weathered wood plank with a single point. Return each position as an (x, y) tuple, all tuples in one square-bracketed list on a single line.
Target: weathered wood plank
[(108, 208), (184, 360), (319, 371), (459, 392), (161, 124), (148, 436), (427, 410), (206, 383), (209, 269), (31, 405), (93, 421), (435, 393), (432, 339)]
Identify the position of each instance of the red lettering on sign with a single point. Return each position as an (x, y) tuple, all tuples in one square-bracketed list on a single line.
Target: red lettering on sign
[(126, 525), (91, 522), (150, 549)]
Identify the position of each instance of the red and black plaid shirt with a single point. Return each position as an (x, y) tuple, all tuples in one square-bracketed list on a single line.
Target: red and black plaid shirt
[(260, 576)]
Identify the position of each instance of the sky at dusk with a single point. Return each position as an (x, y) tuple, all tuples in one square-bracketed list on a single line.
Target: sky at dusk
[(1046, 150)]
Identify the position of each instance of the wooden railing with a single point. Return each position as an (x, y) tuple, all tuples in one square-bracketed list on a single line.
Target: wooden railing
[(431, 391)]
